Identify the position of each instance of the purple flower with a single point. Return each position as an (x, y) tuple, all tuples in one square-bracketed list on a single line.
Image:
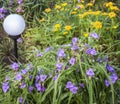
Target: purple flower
[(30, 88), (72, 61), (14, 66), (74, 40), (24, 71), (82, 85), (48, 49), (110, 68), (20, 2), (74, 47), (69, 84), (94, 35), (61, 53), (37, 78), (19, 40), (5, 87), (38, 86), (30, 77), (39, 54), (107, 83), (1, 15), (43, 89), (59, 66), (114, 78), (18, 77), (74, 89), (23, 85), (90, 72), (43, 77), (91, 51), (20, 100)]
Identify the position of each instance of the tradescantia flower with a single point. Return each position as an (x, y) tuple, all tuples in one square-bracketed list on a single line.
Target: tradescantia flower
[(20, 100), (30, 88), (18, 77), (94, 35), (74, 89), (91, 51), (43, 77), (72, 61), (59, 66), (90, 72), (14, 66), (114, 77), (5, 87), (110, 68), (23, 85), (107, 83), (74, 40), (69, 84), (61, 53)]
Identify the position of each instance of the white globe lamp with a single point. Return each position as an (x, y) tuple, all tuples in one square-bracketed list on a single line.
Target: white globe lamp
[(14, 25)]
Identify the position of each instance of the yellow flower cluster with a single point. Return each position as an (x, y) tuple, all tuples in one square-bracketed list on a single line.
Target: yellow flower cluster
[(68, 28), (47, 10), (57, 7), (90, 4), (108, 4), (65, 33), (97, 24), (86, 34)]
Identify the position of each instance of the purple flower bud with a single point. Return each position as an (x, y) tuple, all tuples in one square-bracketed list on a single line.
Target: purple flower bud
[(37, 78), (20, 1), (18, 77), (107, 83), (110, 68), (55, 77), (43, 77), (30, 88), (94, 35), (72, 61), (90, 72), (43, 89), (5, 87), (20, 100), (82, 85), (14, 66)]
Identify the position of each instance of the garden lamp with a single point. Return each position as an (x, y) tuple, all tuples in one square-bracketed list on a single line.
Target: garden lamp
[(14, 25)]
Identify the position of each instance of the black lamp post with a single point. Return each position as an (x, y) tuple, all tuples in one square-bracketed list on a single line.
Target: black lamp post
[(14, 25)]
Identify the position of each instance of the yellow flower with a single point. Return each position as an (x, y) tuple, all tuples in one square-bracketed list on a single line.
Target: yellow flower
[(65, 33), (112, 14), (109, 4), (97, 24), (57, 27), (114, 8), (82, 1), (114, 27), (42, 20), (81, 15), (97, 12), (47, 10), (74, 12), (68, 27), (64, 4), (89, 4), (86, 34), (57, 6)]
